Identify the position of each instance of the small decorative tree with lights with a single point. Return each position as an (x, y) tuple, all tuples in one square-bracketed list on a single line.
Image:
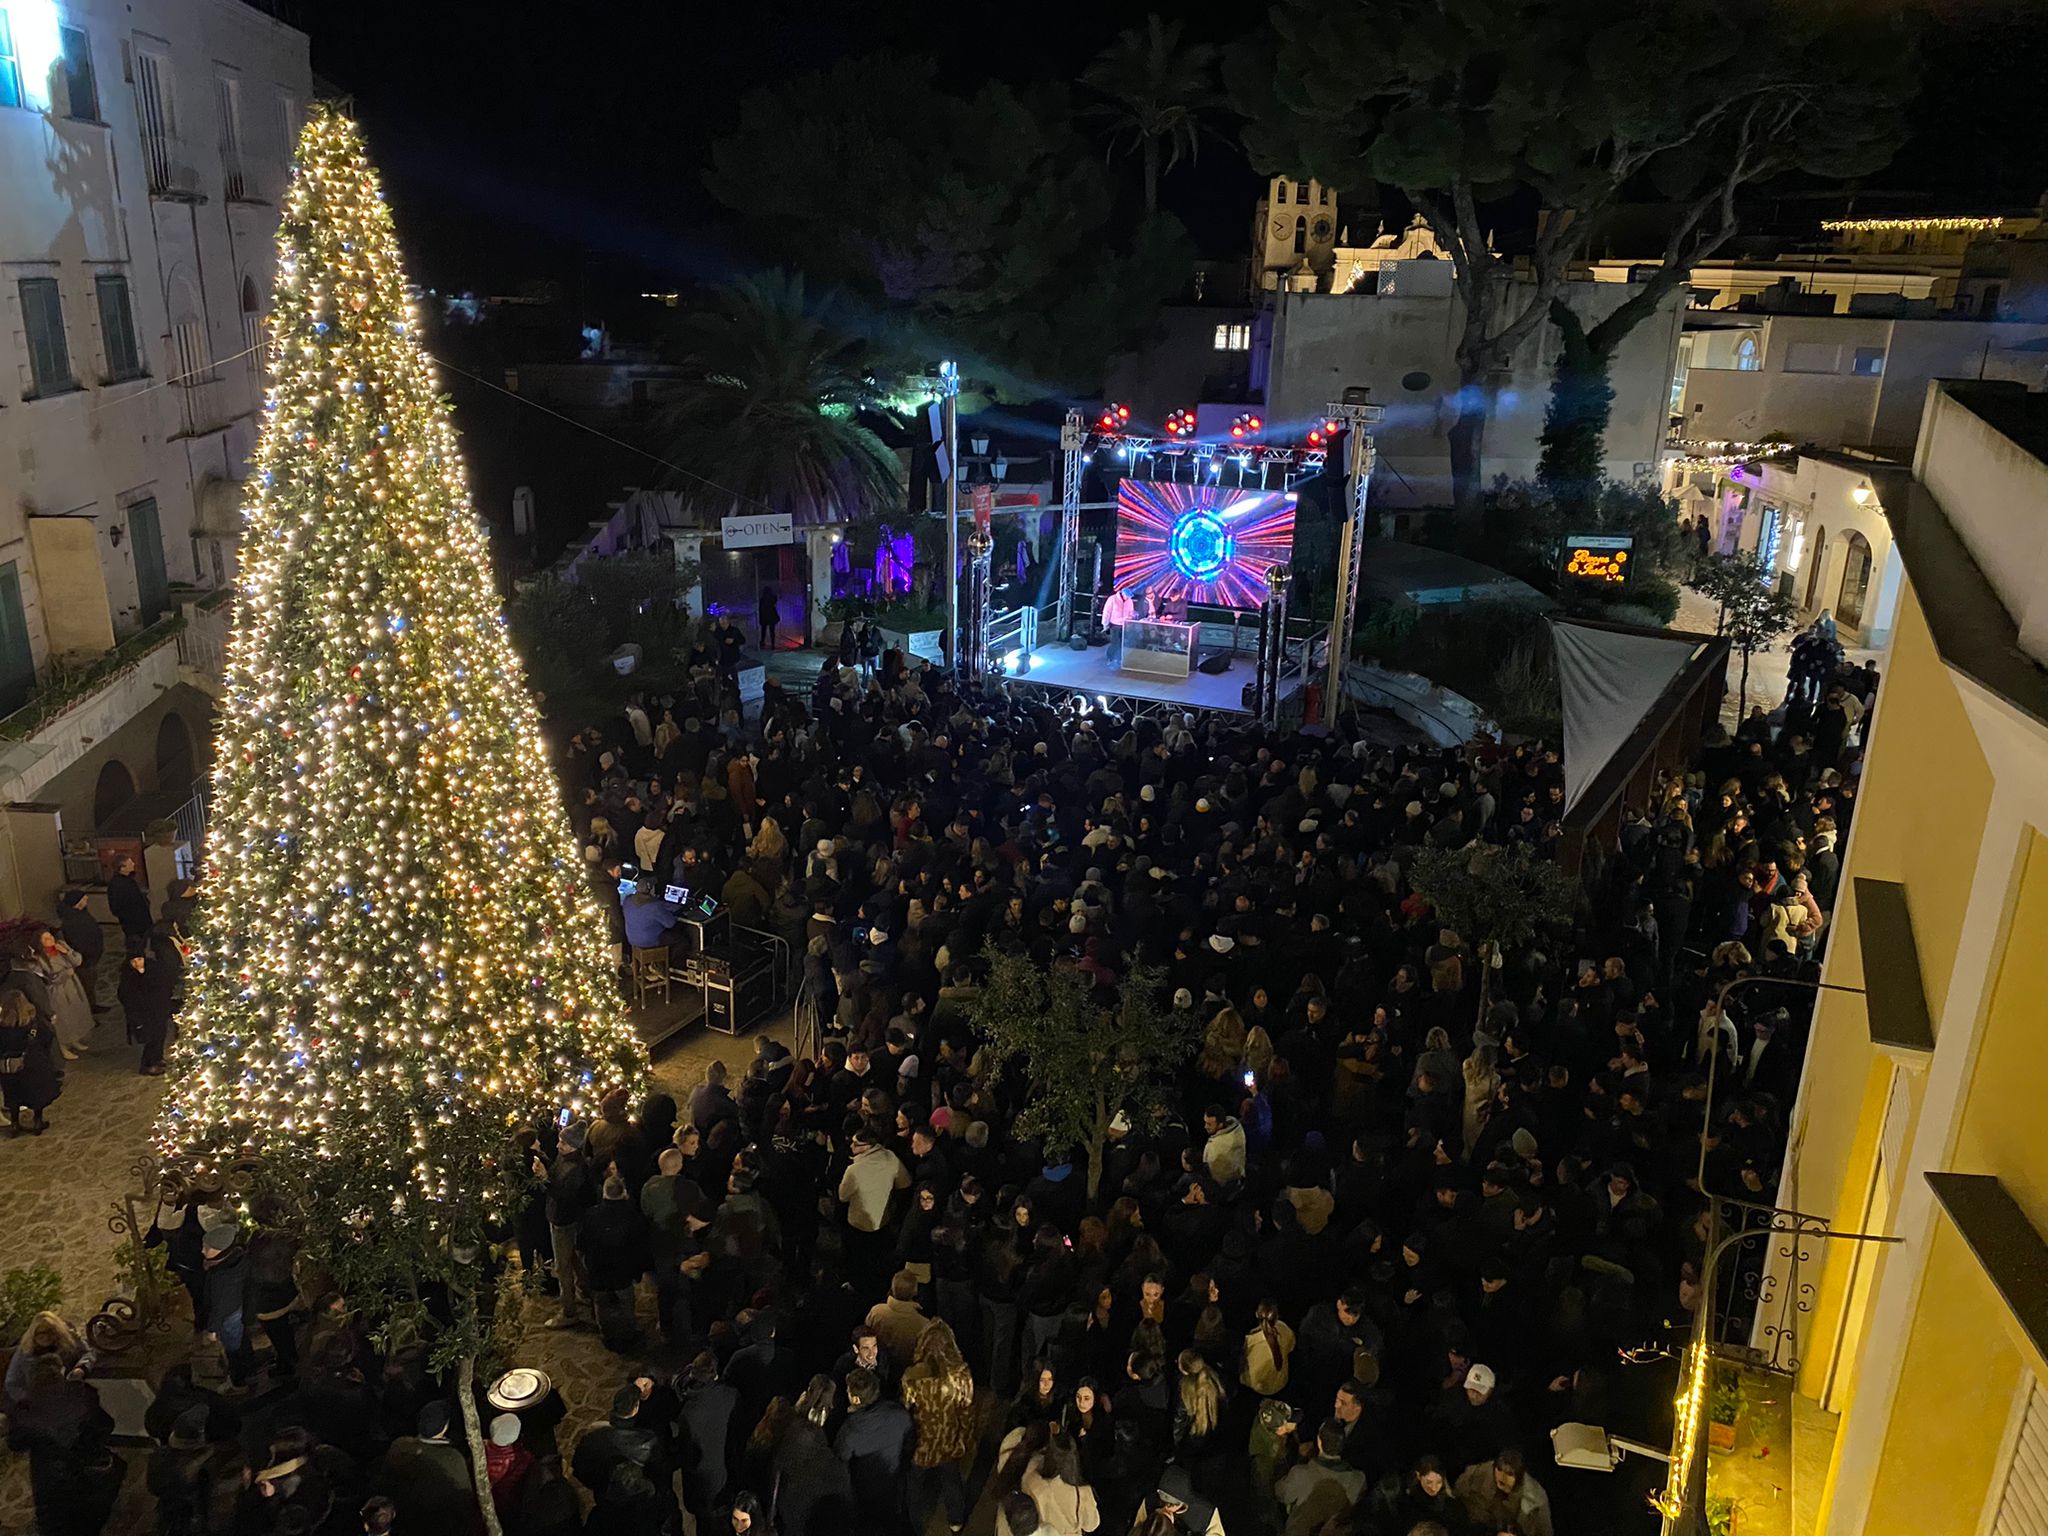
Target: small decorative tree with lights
[(399, 960)]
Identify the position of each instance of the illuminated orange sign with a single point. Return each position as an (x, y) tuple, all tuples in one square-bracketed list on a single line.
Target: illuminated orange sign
[(1601, 559)]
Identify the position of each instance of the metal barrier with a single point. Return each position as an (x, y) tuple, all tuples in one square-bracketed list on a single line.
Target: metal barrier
[(1014, 629), (191, 818)]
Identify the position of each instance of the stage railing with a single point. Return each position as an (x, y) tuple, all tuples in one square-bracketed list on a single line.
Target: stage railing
[(1013, 629)]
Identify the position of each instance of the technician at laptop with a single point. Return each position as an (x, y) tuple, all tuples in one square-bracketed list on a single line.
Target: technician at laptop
[(650, 919)]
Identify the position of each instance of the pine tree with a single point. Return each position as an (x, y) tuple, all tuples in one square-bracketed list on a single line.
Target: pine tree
[(399, 960)]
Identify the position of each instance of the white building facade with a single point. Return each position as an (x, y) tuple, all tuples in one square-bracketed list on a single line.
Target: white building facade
[(143, 152), (1399, 338)]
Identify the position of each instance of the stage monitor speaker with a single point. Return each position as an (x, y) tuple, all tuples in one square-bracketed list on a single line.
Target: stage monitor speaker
[(1215, 665)]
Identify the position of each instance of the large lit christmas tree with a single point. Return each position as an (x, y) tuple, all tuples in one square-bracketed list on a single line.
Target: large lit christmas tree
[(399, 957)]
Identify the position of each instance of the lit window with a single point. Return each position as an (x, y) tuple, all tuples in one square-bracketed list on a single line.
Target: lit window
[(10, 66), (1746, 356), (42, 322), (81, 91), (1233, 338), (117, 328), (1869, 361)]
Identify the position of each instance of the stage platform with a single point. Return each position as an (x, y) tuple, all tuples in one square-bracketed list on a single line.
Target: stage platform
[(1057, 668)]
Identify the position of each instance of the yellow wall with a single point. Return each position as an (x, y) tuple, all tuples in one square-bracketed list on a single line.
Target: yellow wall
[(1836, 1160), (1926, 788), (72, 585), (2003, 1128), (1955, 1396)]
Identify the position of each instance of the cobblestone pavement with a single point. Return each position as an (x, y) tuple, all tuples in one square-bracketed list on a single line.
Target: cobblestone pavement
[(59, 1190), (1770, 671)]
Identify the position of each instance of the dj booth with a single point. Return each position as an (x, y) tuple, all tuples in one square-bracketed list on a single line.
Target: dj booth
[(741, 974), (1159, 647)]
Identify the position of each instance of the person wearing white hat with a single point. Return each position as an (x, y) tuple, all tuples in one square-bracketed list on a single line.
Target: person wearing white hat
[(506, 1461)]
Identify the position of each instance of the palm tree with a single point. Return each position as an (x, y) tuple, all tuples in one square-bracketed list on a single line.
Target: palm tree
[(1158, 87), (770, 415)]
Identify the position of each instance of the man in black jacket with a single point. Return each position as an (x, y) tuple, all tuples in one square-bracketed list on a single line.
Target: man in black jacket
[(620, 1440), (875, 1443), (703, 1427), (82, 932), (571, 1191), (612, 1239), (129, 901), (427, 1478)]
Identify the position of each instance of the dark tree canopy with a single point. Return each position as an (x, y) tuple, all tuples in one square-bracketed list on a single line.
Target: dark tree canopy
[(980, 225), (1582, 104)]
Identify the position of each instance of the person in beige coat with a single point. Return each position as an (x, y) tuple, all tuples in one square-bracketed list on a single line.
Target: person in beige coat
[(1065, 1502), (1267, 1349), (898, 1321)]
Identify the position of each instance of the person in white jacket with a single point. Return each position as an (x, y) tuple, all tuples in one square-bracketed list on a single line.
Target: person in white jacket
[(871, 1178), (1223, 1152)]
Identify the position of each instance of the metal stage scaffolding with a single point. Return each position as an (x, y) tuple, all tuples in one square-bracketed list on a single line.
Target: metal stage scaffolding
[(1025, 655)]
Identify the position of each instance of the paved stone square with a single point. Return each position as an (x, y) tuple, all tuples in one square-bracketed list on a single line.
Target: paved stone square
[(59, 1192)]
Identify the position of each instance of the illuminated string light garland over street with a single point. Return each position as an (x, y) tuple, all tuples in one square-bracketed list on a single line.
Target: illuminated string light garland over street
[(1931, 223), (399, 957)]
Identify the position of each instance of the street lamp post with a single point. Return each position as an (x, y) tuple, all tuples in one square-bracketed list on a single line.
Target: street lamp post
[(949, 406)]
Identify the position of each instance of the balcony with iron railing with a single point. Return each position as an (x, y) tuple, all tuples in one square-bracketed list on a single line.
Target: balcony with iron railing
[(76, 705), (171, 166)]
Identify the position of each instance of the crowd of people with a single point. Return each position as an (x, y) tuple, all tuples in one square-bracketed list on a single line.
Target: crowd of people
[(1380, 1239), (51, 1004)]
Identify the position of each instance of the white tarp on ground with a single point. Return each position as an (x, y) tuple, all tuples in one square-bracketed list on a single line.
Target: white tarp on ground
[(1608, 682)]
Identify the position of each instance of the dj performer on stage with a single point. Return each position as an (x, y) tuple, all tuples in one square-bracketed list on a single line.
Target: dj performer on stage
[(1117, 611)]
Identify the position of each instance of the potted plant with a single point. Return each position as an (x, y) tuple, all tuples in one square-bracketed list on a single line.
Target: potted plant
[(1724, 1406), (919, 630)]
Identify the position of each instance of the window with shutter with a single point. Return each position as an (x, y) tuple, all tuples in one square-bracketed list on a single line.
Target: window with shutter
[(228, 94), (42, 322), (17, 663), (117, 328), (81, 89), (2023, 1496)]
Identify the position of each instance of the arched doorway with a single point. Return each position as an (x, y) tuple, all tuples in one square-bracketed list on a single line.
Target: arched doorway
[(1816, 563), (116, 787), (1855, 582), (173, 754)]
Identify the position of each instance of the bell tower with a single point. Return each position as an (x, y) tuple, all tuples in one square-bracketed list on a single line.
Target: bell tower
[(1295, 223)]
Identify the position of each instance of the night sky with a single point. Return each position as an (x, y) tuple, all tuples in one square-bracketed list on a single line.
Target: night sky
[(516, 135), (567, 140)]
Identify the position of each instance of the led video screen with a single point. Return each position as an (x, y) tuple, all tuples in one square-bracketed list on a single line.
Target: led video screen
[(1201, 543)]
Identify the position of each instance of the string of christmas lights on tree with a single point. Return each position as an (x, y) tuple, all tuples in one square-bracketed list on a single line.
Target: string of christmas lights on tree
[(399, 958)]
